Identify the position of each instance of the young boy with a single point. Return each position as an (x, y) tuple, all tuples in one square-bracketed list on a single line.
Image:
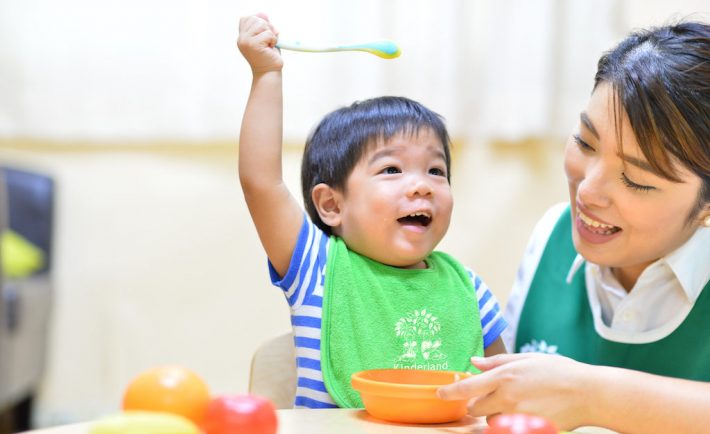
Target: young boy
[(365, 288)]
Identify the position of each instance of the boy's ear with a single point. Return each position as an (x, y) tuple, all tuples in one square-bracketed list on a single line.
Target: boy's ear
[(327, 202)]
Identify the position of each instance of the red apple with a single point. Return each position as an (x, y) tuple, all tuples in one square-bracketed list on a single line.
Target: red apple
[(232, 414), (520, 423)]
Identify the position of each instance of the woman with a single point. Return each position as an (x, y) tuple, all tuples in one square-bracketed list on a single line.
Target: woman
[(618, 280)]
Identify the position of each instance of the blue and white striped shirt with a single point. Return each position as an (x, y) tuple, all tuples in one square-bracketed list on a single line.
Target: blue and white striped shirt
[(303, 287)]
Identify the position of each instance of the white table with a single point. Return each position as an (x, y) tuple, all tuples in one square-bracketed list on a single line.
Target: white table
[(341, 421)]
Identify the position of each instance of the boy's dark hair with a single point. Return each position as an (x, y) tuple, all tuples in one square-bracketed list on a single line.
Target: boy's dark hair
[(342, 137), (661, 80)]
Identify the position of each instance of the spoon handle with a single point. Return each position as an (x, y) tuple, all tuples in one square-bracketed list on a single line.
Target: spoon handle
[(383, 48)]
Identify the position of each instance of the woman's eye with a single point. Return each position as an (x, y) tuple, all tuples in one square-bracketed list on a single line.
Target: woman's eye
[(437, 171), (391, 170), (634, 186), (581, 143)]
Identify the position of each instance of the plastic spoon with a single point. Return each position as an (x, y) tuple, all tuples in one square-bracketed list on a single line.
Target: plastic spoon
[(383, 48)]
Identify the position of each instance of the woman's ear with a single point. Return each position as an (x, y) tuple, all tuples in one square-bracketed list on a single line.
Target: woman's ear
[(327, 202), (705, 216)]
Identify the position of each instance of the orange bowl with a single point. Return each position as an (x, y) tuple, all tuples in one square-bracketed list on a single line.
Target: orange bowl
[(408, 395)]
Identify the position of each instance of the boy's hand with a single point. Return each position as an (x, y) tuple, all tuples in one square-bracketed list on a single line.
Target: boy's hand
[(257, 43)]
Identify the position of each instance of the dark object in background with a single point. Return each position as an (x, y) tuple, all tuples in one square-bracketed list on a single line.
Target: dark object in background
[(30, 211), (27, 208)]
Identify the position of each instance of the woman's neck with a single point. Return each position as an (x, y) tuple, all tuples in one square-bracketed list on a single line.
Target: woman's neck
[(627, 276)]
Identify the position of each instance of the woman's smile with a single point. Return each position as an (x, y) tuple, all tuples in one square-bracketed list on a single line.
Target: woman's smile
[(594, 231)]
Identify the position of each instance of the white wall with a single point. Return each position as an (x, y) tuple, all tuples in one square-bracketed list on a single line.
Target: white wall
[(156, 261)]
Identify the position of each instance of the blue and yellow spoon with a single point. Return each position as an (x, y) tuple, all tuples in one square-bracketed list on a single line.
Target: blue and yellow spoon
[(383, 48)]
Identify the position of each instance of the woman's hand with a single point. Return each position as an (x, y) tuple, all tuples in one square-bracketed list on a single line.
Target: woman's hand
[(554, 387), (257, 43)]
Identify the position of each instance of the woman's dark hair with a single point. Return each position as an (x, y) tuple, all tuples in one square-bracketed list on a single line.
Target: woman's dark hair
[(661, 79), (342, 137)]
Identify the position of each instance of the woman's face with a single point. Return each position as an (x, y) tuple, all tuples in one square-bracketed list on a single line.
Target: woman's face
[(624, 214)]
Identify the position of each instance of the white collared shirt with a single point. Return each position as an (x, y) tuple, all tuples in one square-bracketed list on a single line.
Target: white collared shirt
[(661, 299)]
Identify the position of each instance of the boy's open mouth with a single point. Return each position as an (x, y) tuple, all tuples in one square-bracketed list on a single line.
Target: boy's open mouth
[(417, 218)]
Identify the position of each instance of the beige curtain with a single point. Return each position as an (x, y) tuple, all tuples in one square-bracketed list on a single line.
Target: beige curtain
[(135, 70)]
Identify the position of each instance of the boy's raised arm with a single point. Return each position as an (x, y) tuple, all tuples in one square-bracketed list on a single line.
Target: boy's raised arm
[(275, 212)]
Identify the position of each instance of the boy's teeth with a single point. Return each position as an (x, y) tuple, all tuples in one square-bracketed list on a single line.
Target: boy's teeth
[(593, 223), (415, 214)]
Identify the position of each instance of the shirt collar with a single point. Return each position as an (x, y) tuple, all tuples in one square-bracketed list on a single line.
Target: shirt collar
[(576, 265), (690, 263)]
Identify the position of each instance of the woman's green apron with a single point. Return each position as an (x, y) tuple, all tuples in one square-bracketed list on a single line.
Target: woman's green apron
[(557, 314)]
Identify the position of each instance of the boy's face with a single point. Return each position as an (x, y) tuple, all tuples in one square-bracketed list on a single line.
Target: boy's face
[(397, 202)]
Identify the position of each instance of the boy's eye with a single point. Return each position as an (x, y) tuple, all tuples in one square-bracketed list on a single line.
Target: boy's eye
[(581, 143), (437, 171), (391, 170)]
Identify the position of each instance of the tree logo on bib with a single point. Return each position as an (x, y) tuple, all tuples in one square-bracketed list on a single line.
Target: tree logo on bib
[(421, 345)]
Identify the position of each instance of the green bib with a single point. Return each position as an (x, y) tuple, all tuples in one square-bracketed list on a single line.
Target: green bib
[(381, 317), (557, 315)]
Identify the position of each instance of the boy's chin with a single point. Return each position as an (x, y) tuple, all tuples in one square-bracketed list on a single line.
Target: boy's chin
[(409, 263), (393, 254)]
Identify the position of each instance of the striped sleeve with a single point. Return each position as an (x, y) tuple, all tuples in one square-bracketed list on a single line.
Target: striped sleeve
[(492, 321), (303, 288), (305, 270)]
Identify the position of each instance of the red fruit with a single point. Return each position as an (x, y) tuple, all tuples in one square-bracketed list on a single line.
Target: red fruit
[(233, 414)]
